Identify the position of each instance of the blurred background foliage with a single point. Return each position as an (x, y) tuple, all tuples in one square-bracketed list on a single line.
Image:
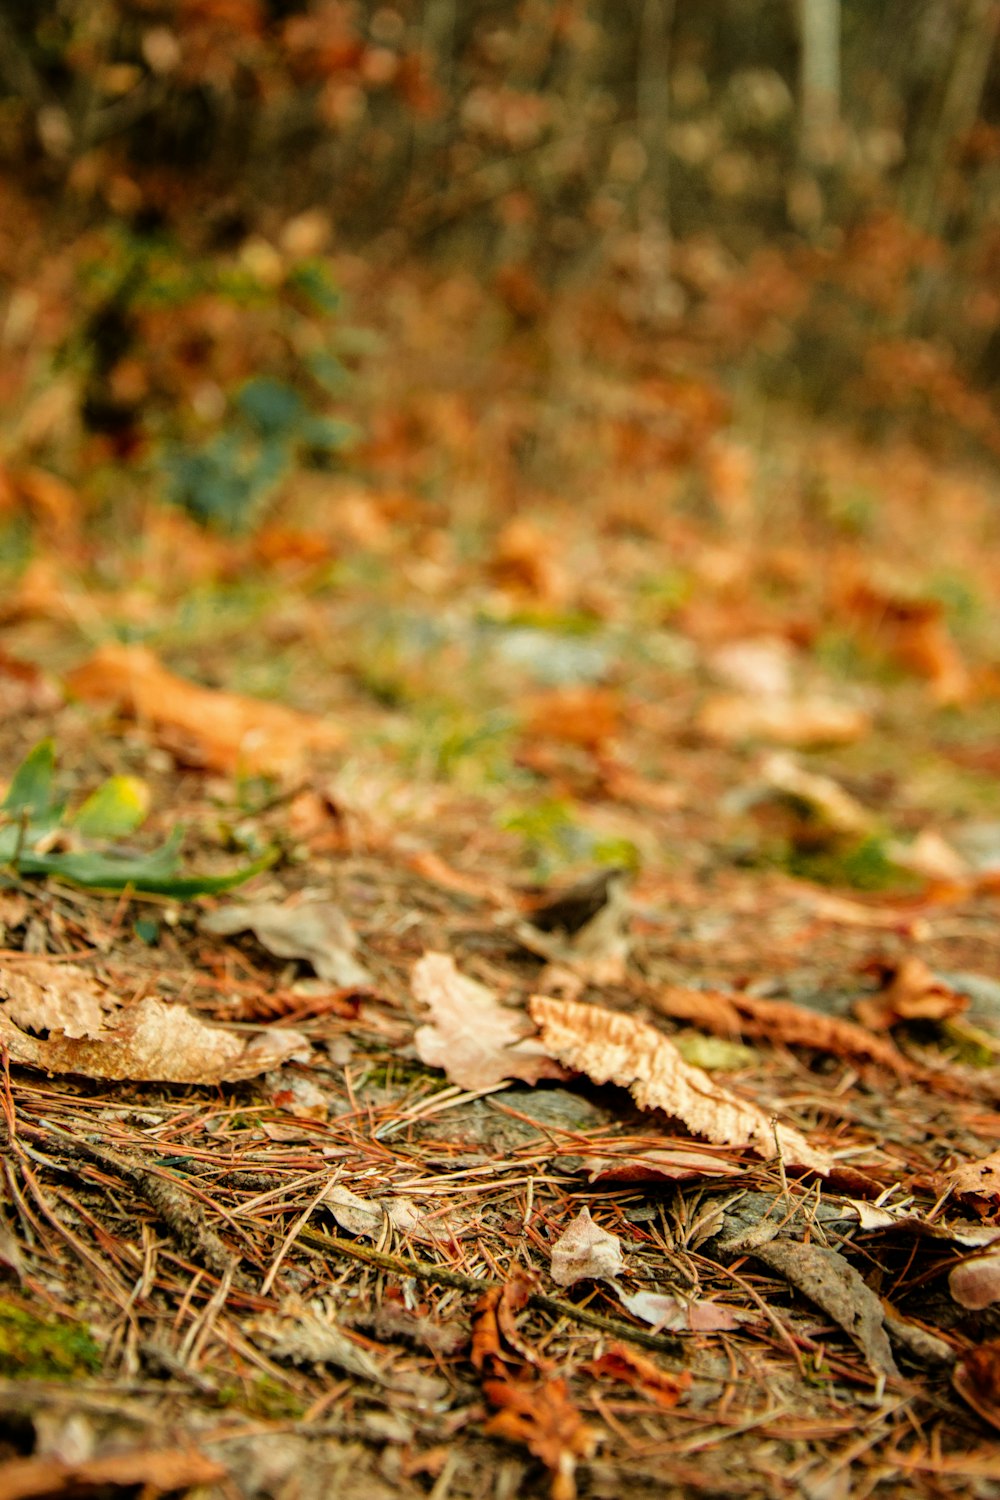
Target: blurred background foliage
[(802, 197)]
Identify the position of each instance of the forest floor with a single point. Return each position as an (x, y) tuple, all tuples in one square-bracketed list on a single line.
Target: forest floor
[(560, 621)]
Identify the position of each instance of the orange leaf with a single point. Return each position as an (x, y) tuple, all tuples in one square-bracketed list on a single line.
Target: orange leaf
[(542, 1417), (223, 731), (619, 1362)]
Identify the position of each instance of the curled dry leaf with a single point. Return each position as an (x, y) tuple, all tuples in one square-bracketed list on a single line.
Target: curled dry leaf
[(584, 1252), (494, 1324), (541, 1415), (975, 1283), (619, 1362), (91, 1033), (315, 931), (477, 1041), (223, 731), (147, 1471), (613, 1048), (910, 991)]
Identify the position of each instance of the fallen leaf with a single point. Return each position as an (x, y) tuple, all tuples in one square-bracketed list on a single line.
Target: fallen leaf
[(975, 1283), (315, 931), (584, 1252), (584, 930), (614, 1048), (730, 719), (910, 992), (832, 1283), (761, 668), (91, 1033), (977, 1381), (541, 1415), (621, 1363), (668, 1165), (358, 1216), (665, 1312), (494, 1324), (587, 717), (977, 1180), (525, 563), (477, 1041), (153, 1471), (781, 1021), (223, 731)]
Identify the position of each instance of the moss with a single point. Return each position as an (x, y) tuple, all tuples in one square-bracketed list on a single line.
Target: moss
[(44, 1348), (262, 1397)]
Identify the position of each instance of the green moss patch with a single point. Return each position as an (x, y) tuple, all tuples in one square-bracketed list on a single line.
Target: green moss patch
[(44, 1348)]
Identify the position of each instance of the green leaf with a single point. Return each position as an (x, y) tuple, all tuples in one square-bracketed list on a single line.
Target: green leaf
[(149, 874), (31, 790), (272, 408), (117, 808)]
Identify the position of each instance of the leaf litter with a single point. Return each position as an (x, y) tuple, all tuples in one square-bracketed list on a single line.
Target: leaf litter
[(457, 1228)]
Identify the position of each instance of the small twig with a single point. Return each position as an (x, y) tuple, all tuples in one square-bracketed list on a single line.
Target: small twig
[(426, 1270)]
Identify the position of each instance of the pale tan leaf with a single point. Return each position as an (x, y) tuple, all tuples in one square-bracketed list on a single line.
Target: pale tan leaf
[(613, 1048), (477, 1041), (977, 1179), (729, 718), (91, 1033), (316, 931), (585, 1252)]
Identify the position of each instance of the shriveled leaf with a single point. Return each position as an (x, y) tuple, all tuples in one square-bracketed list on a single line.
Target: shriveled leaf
[(223, 731), (117, 808), (91, 1033), (477, 1041), (541, 1415), (613, 1048), (317, 932), (585, 1252), (672, 1164), (910, 991), (621, 1363)]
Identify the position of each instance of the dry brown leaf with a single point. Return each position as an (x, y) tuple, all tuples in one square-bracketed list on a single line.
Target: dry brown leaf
[(613, 1048), (316, 931), (153, 1471), (585, 1252), (541, 1415), (525, 563), (975, 1283), (729, 718), (977, 1180), (477, 1041), (619, 1362), (223, 731), (672, 1165), (494, 1324), (732, 1013), (585, 716), (911, 991), (91, 1033), (827, 1279)]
